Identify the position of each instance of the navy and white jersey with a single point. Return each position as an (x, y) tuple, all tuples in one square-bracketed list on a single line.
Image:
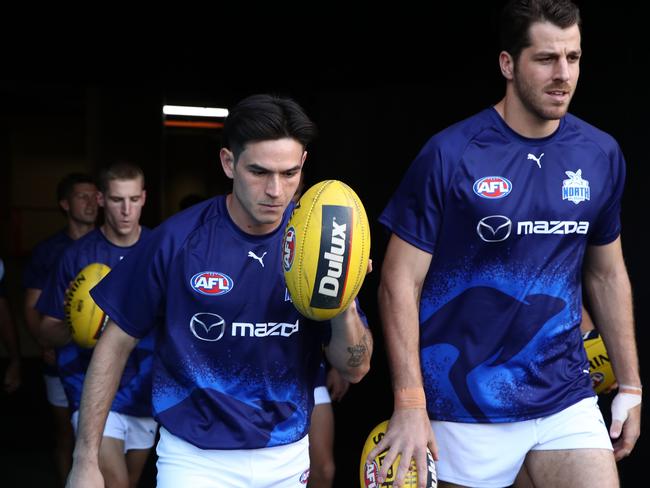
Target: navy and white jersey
[(507, 220), (44, 258), (236, 364), (134, 393)]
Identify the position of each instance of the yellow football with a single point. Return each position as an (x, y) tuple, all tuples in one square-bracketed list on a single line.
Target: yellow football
[(368, 471), (600, 369), (325, 250), (85, 318)]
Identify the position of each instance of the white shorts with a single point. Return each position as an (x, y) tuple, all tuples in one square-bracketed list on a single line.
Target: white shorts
[(183, 464), (490, 455), (136, 432), (55, 392), (321, 395)]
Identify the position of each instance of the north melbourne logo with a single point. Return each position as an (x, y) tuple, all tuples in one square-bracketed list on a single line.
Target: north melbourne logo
[(575, 188)]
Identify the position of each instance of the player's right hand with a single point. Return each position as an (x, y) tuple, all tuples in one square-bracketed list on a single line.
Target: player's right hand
[(409, 434)]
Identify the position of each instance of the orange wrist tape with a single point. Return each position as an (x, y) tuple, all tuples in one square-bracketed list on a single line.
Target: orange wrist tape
[(409, 398)]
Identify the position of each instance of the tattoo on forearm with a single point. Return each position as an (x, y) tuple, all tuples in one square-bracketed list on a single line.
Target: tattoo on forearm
[(357, 353)]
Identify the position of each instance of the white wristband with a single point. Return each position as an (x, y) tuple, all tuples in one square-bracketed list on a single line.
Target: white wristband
[(622, 404)]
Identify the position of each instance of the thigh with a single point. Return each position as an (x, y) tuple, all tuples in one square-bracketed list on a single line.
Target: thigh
[(481, 455), (573, 468), (135, 461), (321, 446), (62, 422), (112, 463), (321, 434), (523, 479)]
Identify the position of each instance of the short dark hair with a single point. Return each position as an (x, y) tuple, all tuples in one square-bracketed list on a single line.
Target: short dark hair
[(65, 187), (120, 170), (518, 15), (266, 117)]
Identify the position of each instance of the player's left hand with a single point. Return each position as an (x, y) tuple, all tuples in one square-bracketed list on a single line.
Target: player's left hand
[(626, 421), (337, 386)]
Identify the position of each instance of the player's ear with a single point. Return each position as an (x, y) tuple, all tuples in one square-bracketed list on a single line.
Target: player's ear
[(64, 204), (304, 157), (100, 199), (227, 162), (507, 65), (144, 197)]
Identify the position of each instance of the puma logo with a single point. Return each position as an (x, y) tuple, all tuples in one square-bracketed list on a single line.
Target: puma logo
[(251, 254), (537, 160)]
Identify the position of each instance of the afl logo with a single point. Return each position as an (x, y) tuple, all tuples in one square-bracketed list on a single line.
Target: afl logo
[(288, 248), (492, 187), (211, 283)]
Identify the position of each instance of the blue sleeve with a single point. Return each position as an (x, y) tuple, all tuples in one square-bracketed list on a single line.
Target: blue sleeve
[(37, 270), (53, 295), (608, 225), (133, 293), (415, 211)]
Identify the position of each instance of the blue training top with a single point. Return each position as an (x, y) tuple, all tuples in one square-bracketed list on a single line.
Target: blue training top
[(134, 393), (507, 220), (236, 364), (44, 258)]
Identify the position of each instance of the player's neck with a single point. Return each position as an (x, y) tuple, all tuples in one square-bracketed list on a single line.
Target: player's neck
[(78, 229), (244, 221), (121, 240), (522, 120)]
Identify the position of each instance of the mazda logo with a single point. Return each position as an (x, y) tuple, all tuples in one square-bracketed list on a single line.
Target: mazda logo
[(207, 326), (494, 228)]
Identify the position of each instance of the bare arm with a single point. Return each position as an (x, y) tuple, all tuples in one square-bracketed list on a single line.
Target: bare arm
[(102, 379), (32, 316), (33, 321), (9, 336), (409, 431), (350, 347), (610, 297), (53, 332)]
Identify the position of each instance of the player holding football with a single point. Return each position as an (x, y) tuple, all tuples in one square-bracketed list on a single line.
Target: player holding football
[(130, 430), (497, 223), (235, 365), (77, 198)]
